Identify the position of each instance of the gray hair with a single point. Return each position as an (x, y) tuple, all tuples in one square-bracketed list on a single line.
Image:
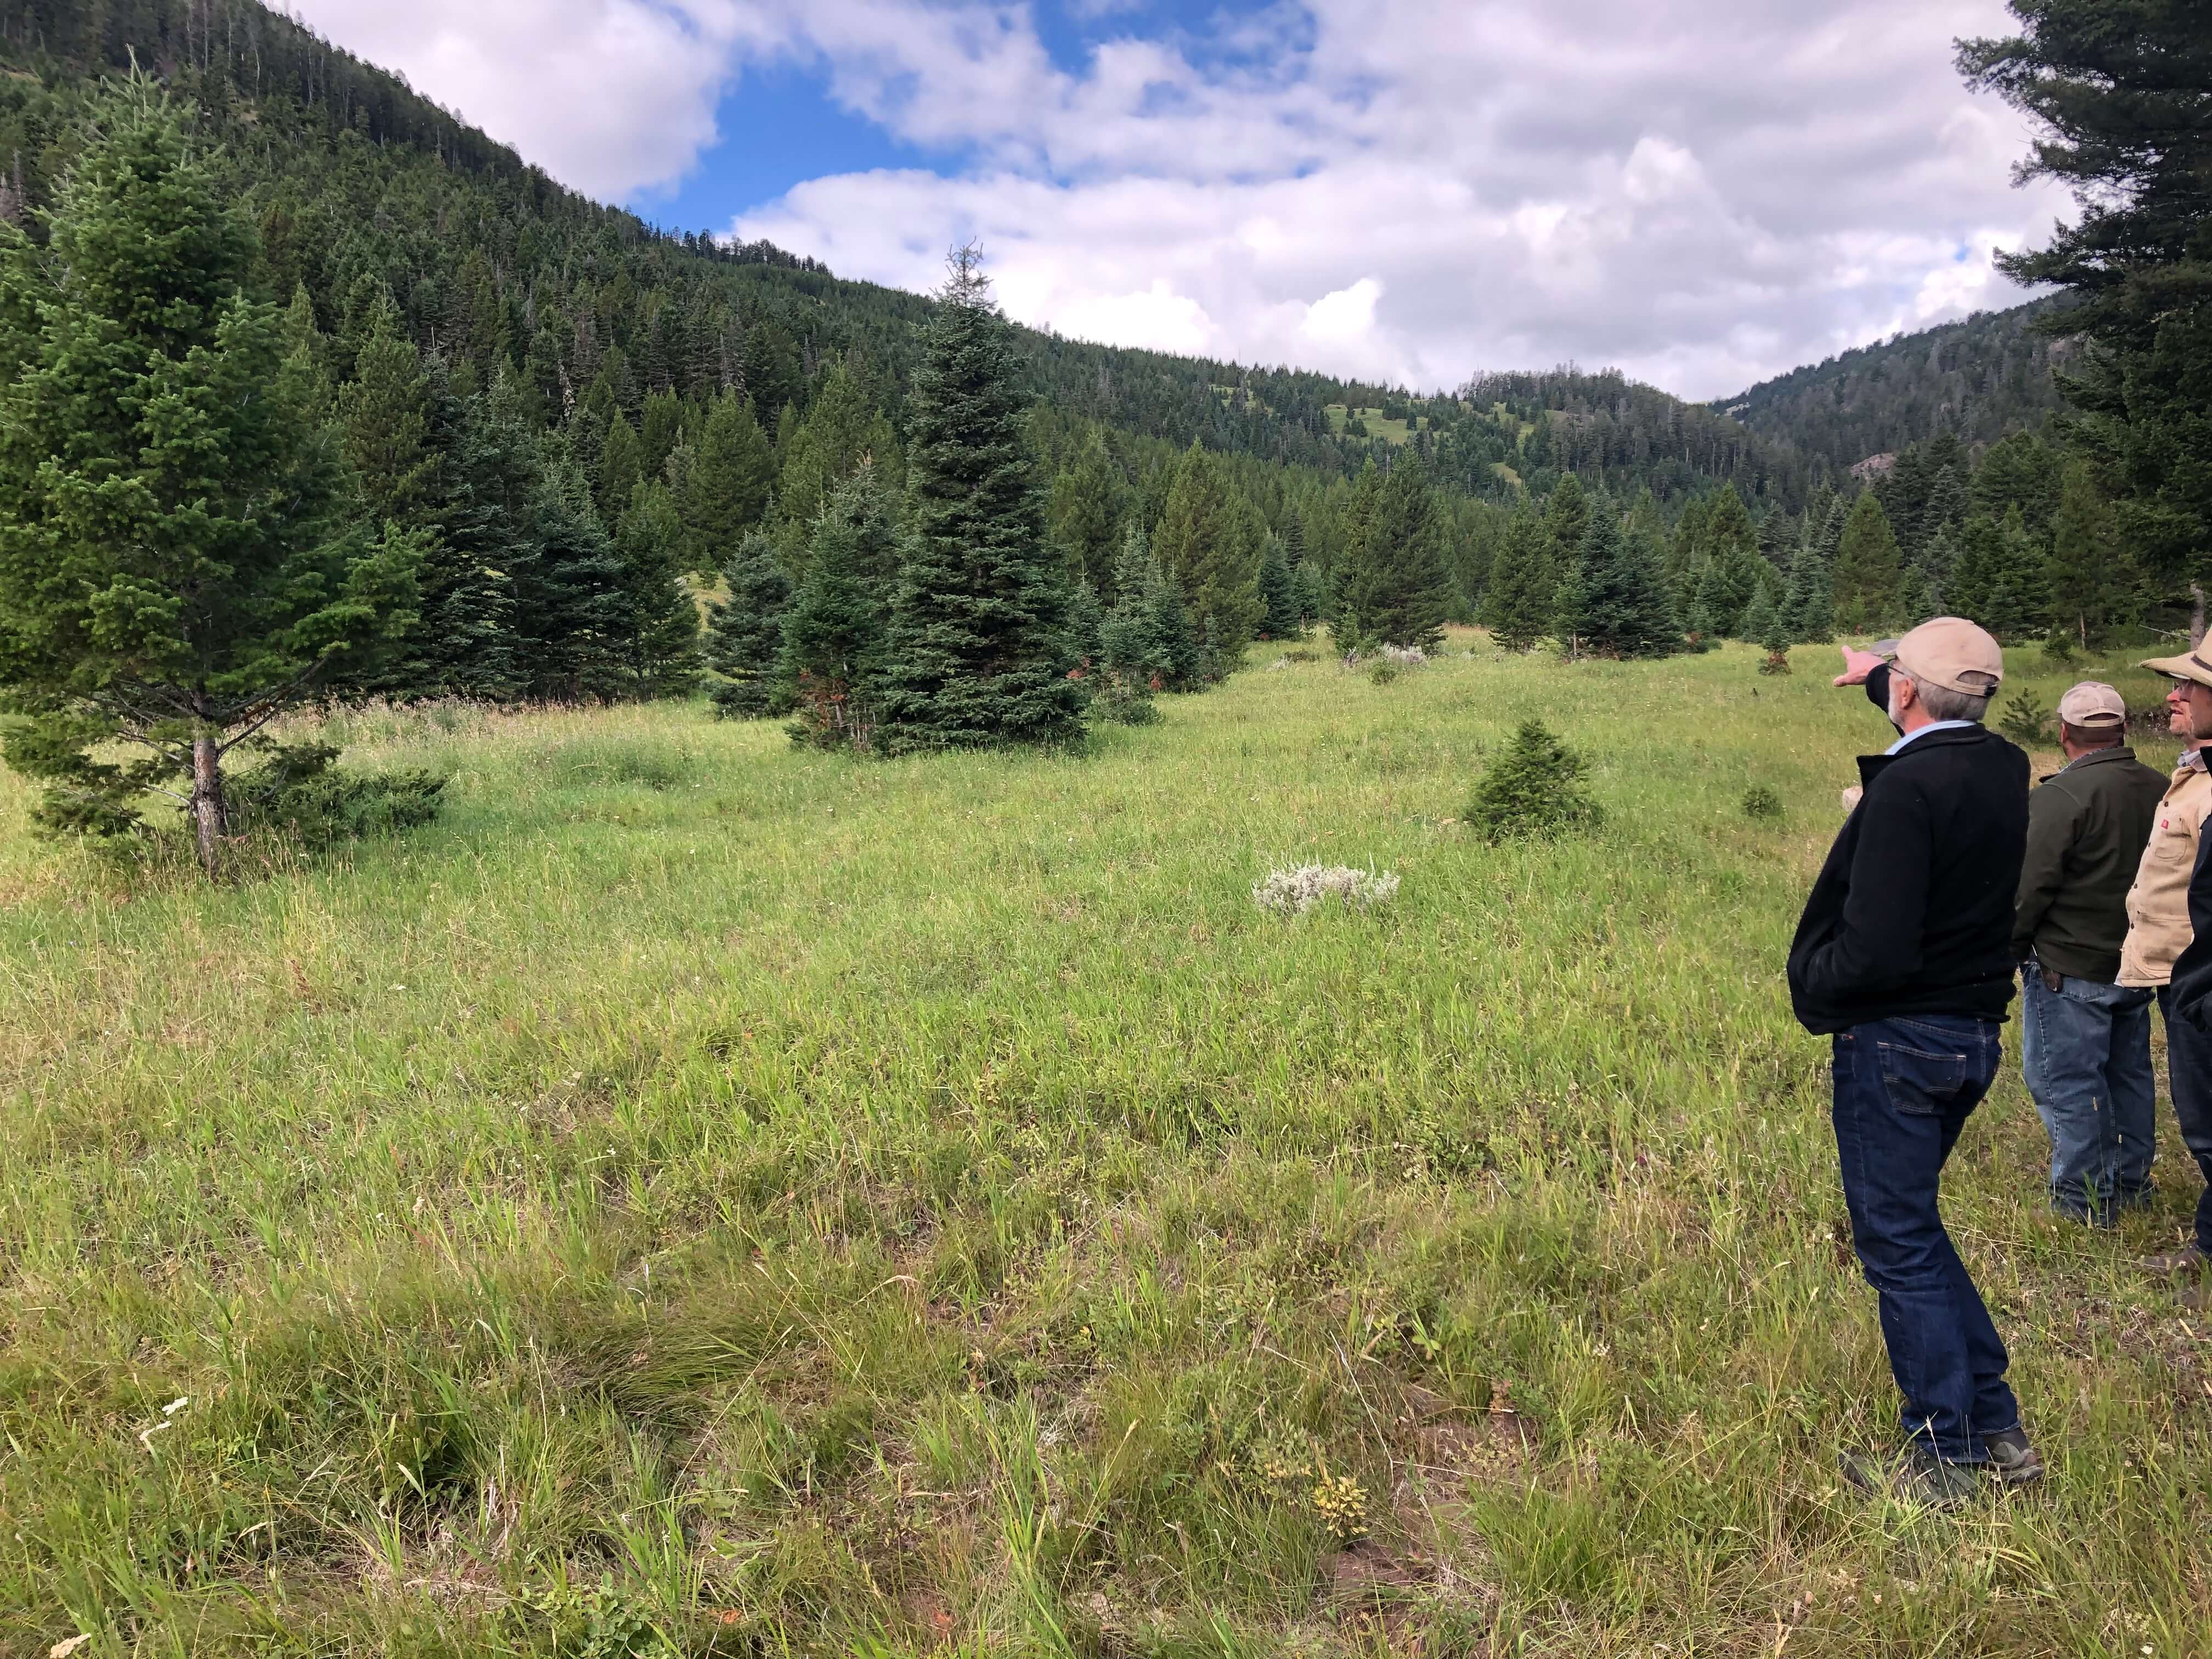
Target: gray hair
[(1942, 703)]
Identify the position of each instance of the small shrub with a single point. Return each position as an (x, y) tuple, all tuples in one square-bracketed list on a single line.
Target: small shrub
[(1774, 662), (299, 793), (1294, 892), (1123, 702), (1301, 654), (1761, 802), (1532, 789), (1382, 671), (2024, 720), (2058, 646)]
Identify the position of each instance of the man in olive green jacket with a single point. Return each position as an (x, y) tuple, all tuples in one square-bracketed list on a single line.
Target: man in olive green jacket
[(2085, 1040)]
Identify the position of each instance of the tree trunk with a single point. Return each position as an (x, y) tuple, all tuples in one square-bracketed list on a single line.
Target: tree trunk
[(2195, 615), (210, 822)]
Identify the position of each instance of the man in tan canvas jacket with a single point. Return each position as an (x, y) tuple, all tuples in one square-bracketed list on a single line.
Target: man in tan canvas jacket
[(2158, 929)]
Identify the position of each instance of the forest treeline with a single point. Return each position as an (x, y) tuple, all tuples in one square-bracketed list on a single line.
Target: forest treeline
[(615, 460)]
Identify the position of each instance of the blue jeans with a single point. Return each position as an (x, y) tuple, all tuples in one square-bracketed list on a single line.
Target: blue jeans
[(2085, 1049), (2189, 1072), (1904, 1090)]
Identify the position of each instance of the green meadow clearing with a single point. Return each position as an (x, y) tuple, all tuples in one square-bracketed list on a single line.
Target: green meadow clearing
[(703, 1198)]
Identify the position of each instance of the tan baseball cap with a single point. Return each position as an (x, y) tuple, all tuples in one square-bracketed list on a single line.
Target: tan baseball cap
[(2192, 667), (2092, 705), (1953, 654)]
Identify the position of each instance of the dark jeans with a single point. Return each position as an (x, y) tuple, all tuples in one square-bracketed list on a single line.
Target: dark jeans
[(2189, 1073), (1904, 1090), (2085, 1049)]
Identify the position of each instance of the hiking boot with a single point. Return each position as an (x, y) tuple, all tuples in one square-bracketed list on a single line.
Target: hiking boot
[(2014, 1458), (1913, 1477), (2177, 1264)]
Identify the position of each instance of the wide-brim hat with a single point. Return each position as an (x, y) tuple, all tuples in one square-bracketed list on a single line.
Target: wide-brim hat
[(2191, 667)]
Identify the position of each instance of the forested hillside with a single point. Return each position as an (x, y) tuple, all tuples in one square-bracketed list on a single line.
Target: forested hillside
[(1977, 380)]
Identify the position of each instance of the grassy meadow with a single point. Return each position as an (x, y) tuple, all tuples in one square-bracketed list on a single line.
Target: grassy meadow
[(703, 1198)]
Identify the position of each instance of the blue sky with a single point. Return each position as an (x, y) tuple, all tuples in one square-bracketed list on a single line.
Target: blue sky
[(1702, 192)]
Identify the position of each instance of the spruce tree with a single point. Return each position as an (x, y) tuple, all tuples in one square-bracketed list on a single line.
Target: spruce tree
[(1132, 662), (575, 603), (745, 638), (1086, 622), (1397, 587), (727, 488), (834, 630), (1868, 569), (2089, 572), (1279, 603), (843, 430), (1622, 606), (1534, 788), (977, 643), (1518, 605), (171, 575), (1088, 501), (2003, 578)]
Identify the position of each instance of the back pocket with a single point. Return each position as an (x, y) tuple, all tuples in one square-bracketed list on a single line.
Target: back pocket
[(1919, 1080)]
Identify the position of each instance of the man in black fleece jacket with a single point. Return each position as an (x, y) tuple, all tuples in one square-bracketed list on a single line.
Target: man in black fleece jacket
[(1904, 959)]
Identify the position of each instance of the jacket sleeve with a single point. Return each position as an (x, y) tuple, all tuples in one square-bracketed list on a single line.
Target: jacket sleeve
[(1878, 942), (2192, 970), (2054, 822)]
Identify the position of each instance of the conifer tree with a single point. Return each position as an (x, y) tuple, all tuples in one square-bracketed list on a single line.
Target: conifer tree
[(2089, 574), (1086, 622), (2001, 579), (1209, 541), (1764, 625), (661, 649), (1534, 788), (1623, 609), (727, 491), (1868, 569), (1396, 585), (574, 604), (1807, 612), (621, 469), (835, 631), (1280, 608), (384, 413), (744, 640), (171, 578), (1518, 605), (1566, 519), (1088, 501), (844, 430), (1132, 659), (977, 644)]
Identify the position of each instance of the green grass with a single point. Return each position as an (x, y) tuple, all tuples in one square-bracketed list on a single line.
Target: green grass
[(703, 1198)]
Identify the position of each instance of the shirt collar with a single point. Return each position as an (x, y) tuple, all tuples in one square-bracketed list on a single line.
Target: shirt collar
[(1934, 726)]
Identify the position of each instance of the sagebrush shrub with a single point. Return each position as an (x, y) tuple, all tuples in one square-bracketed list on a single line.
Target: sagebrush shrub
[(1294, 892), (1533, 788)]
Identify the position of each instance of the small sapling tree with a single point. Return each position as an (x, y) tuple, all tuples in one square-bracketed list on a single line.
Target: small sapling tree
[(1532, 789)]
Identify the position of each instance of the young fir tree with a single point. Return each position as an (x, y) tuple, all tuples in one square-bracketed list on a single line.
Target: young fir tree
[(2090, 575), (171, 578), (1566, 519), (1396, 584), (1279, 595), (977, 644), (744, 635), (1534, 788), (1868, 569), (1135, 658), (2001, 579), (574, 606), (1086, 622), (727, 491), (1518, 606), (843, 430), (1808, 612), (834, 631), (1622, 606), (660, 649), (1764, 625), (1208, 539)]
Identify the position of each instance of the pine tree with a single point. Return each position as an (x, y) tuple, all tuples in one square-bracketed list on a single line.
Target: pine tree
[(1396, 584), (1209, 540), (170, 576), (744, 640), (726, 491), (977, 642), (1518, 606), (661, 647), (834, 631), (1868, 569)]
